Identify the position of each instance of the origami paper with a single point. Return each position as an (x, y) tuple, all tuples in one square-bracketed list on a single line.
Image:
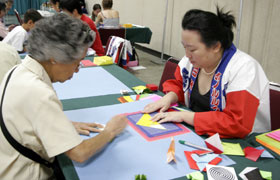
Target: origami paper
[(275, 134), (250, 173), (139, 89), (171, 151), (145, 121), (202, 161), (90, 52), (232, 149), (216, 172), (266, 175), (122, 100), (87, 63), (128, 98), (265, 153), (269, 142), (201, 152), (252, 153), (214, 143), (246, 170), (195, 176), (193, 164)]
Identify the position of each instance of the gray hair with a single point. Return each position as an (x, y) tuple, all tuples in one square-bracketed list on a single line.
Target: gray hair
[(60, 37)]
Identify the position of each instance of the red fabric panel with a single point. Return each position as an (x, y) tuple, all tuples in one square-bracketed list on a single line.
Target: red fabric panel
[(236, 120), (97, 45)]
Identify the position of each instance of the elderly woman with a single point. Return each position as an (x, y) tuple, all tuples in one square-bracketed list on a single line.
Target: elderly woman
[(108, 16), (226, 88), (31, 110)]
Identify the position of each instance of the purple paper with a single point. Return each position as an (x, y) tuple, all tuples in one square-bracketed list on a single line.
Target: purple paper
[(153, 132)]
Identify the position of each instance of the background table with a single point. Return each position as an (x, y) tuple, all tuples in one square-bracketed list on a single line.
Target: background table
[(133, 34), (138, 34), (130, 81)]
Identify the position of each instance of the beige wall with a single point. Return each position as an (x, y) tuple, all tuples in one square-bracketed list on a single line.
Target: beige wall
[(259, 33)]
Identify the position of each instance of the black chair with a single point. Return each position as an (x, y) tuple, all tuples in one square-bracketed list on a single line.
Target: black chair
[(168, 71)]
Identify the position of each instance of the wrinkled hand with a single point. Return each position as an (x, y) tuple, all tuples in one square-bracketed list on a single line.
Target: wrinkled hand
[(116, 125), (162, 117), (86, 128), (161, 105)]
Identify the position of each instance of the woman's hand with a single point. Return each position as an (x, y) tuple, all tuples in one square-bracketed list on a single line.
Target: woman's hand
[(86, 128), (186, 116), (163, 104)]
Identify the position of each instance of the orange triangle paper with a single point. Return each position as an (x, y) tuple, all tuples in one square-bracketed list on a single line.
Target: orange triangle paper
[(171, 151)]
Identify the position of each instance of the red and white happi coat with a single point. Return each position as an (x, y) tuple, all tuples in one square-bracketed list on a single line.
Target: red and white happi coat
[(239, 96)]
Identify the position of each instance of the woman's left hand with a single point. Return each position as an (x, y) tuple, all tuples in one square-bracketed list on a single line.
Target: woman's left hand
[(177, 117), (86, 128)]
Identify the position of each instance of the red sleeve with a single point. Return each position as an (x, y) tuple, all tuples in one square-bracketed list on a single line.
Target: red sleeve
[(97, 45), (175, 85), (236, 120)]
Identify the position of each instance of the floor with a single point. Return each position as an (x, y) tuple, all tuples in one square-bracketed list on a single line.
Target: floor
[(154, 67)]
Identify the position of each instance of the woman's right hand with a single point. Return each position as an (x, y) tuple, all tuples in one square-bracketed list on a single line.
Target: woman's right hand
[(163, 104), (116, 125)]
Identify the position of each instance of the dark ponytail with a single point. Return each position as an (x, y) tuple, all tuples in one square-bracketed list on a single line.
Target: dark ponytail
[(212, 28)]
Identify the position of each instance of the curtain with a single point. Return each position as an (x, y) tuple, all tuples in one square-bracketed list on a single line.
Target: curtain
[(23, 5)]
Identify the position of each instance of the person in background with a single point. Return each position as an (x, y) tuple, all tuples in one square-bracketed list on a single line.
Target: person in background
[(33, 113), (8, 59), (95, 10), (226, 89), (84, 8), (3, 30), (108, 16), (8, 3), (19, 34), (55, 5), (73, 8)]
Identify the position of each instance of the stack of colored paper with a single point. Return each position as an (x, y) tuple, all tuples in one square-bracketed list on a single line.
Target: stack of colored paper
[(269, 142), (103, 60), (275, 135)]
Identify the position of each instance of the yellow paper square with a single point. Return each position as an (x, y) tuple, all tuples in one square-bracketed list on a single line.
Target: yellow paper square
[(145, 121), (103, 60), (232, 149), (128, 98)]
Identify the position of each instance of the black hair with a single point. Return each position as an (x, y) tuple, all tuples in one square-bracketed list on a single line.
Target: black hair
[(10, 1), (107, 4), (55, 1), (96, 6), (212, 28), (32, 14), (2, 6), (71, 5)]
